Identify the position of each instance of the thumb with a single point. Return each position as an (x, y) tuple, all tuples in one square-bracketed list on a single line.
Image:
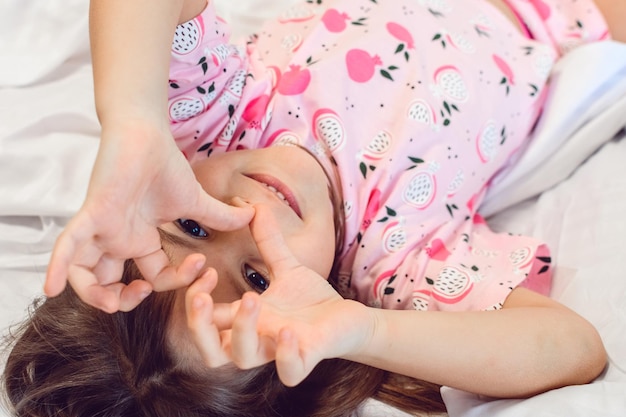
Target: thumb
[(270, 242), (218, 215)]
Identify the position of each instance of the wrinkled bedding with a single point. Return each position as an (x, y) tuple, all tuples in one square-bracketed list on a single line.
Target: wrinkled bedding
[(568, 188)]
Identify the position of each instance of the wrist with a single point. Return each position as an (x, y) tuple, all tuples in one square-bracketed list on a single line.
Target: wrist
[(369, 333), (136, 127)]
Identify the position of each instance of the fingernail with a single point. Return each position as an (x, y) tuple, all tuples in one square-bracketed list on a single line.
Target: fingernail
[(199, 264), (198, 303), (286, 335), (145, 294), (249, 303)]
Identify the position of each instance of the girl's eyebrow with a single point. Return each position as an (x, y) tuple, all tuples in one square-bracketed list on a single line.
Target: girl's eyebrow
[(172, 239)]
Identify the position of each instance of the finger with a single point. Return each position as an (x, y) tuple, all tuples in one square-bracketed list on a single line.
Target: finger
[(289, 364), (88, 289), (64, 251), (247, 348), (157, 269), (172, 278), (108, 270), (219, 215), (198, 307), (270, 241), (132, 294)]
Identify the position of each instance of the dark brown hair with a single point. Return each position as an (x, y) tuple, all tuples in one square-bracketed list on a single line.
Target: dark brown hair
[(71, 360)]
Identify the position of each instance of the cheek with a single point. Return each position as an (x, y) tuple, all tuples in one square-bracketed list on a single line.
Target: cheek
[(317, 249)]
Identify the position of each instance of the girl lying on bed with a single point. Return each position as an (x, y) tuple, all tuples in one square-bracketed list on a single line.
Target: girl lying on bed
[(349, 143)]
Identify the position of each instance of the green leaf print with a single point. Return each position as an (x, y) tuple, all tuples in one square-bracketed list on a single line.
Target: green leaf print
[(386, 74), (416, 161), (363, 169), (451, 208)]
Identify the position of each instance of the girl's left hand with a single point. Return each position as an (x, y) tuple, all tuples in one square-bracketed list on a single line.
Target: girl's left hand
[(297, 322)]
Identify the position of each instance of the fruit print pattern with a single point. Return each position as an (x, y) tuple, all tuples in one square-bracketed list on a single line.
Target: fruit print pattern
[(417, 119), (188, 36)]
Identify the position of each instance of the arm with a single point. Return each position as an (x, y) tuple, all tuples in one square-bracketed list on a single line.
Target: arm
[(532, 345), (140, 179), (130, 45)]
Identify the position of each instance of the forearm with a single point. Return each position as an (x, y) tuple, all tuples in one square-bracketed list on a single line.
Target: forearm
[(130, 45), (514, 352)]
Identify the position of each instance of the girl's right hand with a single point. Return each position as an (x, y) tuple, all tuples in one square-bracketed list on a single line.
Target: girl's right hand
[(297, 322), (140, 180)]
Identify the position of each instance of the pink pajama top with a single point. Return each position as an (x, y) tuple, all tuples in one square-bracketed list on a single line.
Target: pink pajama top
[(419, 103)]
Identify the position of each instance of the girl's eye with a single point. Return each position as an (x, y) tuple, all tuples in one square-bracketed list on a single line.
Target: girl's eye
[(192, 228), (255, 279)]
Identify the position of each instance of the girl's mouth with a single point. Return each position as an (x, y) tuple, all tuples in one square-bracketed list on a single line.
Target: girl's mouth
[(280, 190)]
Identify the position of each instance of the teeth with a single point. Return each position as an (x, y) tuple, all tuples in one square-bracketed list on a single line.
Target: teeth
[(278, 193)]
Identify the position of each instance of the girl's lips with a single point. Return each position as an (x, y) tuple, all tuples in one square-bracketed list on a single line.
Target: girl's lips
[(281, 191)]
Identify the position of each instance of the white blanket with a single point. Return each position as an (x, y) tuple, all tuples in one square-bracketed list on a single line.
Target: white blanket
[(569, 187)]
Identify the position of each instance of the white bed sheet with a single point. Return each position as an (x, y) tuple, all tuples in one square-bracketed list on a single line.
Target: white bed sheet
[(49, 137)]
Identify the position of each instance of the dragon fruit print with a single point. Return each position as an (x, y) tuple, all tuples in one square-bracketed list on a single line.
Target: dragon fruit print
[(394, 237), (420, 191), (436, 6), (236, 83), (220, 53), (508, 77), (284, 137), (378, 147), (328, 127), (488, 142), (421, 112), (296, 14), (348, 209), (521, 257), (449, 83), (380, 287), (420, 300), (543, 60), (451, 285), (343, 285), (188, 36), (291, 42), (227, 134), (456, 40), (185, 108), (456, 183), (482, 25)]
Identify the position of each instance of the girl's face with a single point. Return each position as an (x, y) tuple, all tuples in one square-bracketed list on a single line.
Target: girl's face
[(286, 179)]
